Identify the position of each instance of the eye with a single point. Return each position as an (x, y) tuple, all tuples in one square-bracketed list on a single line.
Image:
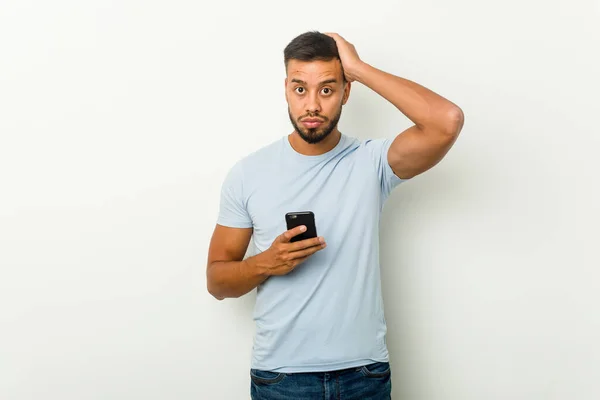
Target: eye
[(327, 91), (299, 90)]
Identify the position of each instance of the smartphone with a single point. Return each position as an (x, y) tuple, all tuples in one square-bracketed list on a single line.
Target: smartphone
[(306, 218)]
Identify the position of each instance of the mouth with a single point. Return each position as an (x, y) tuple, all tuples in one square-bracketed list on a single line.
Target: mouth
[(312, 122)]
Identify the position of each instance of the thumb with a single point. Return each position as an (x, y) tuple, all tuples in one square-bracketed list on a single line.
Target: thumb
[(286, 236)]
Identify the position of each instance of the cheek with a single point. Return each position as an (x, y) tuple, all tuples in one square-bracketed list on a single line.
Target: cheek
[(294, 106), (334, 104)]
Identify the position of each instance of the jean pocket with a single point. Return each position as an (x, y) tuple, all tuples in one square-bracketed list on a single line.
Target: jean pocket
[(266, 377), (376, 370)]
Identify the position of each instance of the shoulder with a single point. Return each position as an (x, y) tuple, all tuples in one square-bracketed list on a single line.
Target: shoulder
[(369, 148), (375, 143), (256, 161), (263, 154), (366, 143)]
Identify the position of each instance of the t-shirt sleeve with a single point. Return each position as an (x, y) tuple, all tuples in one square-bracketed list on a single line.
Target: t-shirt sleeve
[(378, 150), (232, 206)]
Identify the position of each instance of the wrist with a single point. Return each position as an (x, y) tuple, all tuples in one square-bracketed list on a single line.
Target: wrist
[(256, 267), (359, 71)]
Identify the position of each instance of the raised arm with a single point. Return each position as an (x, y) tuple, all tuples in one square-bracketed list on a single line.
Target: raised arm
[(437, 120)]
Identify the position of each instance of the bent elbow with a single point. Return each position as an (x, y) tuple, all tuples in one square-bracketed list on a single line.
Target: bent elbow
[(455, 119), (210, 285), (211, 290)]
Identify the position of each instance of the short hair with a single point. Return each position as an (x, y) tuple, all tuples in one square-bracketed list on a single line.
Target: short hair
[(311, 46)]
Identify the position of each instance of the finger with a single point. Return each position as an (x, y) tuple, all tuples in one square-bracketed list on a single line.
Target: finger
[(306, 243), (337, 37), (286, 236), (306, 252), (294, 263), (298, 261)]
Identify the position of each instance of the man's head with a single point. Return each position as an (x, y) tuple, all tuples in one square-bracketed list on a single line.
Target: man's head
[(315, 88)]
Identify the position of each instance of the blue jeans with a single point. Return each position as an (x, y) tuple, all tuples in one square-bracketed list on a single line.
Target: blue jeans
[(369, 382)]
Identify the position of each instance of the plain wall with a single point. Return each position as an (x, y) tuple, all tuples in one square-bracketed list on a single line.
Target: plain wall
[(119, 121)]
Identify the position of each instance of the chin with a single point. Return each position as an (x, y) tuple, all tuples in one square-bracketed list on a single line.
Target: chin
[(313, 138)]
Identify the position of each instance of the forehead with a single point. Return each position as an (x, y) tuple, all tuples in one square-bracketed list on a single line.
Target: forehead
[(314, 71)]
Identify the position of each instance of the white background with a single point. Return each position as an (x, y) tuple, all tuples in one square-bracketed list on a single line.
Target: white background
[(119, 120)]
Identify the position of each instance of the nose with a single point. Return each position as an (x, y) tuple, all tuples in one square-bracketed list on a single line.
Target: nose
[(313, 105)]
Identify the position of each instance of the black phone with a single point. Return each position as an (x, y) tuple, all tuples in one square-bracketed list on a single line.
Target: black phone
[(306, 218)]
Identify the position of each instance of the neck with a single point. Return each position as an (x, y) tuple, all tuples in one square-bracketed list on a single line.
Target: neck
[(314, 149)]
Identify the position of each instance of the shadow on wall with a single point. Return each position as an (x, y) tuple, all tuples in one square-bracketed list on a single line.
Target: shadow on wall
[(411, 206)]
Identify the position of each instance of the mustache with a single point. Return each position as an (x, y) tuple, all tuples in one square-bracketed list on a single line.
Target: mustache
[(322, 117)]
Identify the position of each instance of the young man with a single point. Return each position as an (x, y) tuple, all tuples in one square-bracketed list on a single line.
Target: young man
[(320, 326)]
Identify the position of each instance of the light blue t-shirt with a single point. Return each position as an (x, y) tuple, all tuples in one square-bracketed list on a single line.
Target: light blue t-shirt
[(326, 314)]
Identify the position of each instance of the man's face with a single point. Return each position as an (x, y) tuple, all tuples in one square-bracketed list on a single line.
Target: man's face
[(315, 92)]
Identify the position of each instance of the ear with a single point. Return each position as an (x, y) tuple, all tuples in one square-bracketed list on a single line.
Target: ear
[(346, 92), (285, 88)]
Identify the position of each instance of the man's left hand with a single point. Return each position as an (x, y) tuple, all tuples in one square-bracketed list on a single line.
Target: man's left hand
[(351, 62)]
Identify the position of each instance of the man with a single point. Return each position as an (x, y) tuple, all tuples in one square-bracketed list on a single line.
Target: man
[(320, 326)]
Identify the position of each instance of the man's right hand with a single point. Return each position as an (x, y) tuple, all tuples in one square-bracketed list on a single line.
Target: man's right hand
[(283, 256)]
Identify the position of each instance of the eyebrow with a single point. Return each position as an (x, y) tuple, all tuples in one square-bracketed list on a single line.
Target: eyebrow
[(333, 80)]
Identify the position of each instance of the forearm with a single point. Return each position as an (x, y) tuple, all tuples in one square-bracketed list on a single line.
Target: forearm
[(234, 278), (422, 106)]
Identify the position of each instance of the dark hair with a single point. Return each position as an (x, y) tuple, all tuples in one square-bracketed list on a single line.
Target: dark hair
[(311, 46)]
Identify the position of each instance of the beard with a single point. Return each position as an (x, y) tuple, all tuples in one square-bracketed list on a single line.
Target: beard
[(316, 135)]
